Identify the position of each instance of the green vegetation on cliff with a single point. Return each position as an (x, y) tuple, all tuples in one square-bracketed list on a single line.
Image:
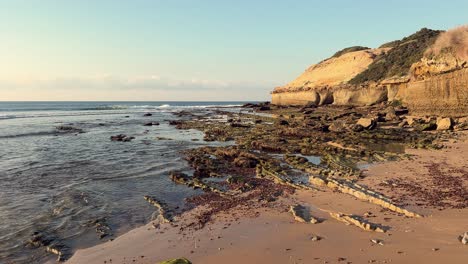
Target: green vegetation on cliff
[(398, 60), (347, 50)]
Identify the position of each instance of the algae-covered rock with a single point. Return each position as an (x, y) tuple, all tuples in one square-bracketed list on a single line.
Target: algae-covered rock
[(176, 261)]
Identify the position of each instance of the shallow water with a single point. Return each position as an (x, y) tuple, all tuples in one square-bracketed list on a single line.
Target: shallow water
[(56, 183)]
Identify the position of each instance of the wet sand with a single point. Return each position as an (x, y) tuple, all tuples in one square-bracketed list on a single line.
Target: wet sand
[(272, 235)]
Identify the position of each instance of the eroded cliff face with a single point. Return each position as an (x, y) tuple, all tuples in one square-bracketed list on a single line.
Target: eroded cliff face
[(444, 94), (437, 83), (333, 71)]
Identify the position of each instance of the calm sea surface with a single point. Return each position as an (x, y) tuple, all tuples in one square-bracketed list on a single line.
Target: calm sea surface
[(58, 183)]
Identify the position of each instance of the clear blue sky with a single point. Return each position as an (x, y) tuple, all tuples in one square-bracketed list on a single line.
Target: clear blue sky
[(189, 50)]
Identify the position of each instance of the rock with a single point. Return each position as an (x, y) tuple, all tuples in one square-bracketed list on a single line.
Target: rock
[(152, 124), (315, 238), (391, 114), (302, 214), (176, 261), (427, 126), (283, 122), (264, 108), (444, 123), (245, 162), (367, 123), (122, 137), (69, 129), (377, 241), (464, 238), (337, 126), (148, 114), (359, 222), (356, 128)]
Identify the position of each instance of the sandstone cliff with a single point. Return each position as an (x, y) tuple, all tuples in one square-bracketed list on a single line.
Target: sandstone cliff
[(426, 71)]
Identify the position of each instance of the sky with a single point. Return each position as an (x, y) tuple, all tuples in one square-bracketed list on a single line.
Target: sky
[(189, 50)]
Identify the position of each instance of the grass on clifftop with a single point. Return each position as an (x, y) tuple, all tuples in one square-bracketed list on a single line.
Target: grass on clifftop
[(398, 60), (347, 50)]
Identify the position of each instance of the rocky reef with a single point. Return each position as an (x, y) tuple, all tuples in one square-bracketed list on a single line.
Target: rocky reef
[(427, 72)]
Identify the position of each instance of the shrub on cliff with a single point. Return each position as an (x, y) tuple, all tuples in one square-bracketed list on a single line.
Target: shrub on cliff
[(398, 60), (347, 50)]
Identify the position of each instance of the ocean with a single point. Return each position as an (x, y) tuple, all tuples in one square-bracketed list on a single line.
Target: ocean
[(60, 183)]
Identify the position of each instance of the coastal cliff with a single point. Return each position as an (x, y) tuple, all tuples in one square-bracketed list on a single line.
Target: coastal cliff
[(427, 72)]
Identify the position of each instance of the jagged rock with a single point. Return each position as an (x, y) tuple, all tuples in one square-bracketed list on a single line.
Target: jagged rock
[(165, 216), (176, 261), (464, 238), (367, 123), (51, 244), (444, 123), (359, 192), (358, 221), (302, 214), (122, 137)]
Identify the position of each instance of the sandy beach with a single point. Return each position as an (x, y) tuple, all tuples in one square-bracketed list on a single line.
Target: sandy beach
[(273, 236)]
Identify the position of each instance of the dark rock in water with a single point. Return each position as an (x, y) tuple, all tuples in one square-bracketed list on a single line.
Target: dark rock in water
[(258, 121), (264, 108), (175, 122), (179, 177), (122, 137), (68, 129), (152, 124), (51, 244), (126, 116), (148, 114), (102, 228)]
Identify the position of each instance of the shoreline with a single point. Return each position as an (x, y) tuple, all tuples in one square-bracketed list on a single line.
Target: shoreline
[(272, 235)]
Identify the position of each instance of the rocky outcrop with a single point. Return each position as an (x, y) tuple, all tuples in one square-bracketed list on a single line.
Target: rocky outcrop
[(425, 81), (302, 214), (359, 222)]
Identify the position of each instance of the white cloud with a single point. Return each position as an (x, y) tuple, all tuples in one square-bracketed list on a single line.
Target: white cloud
[(145, 87)]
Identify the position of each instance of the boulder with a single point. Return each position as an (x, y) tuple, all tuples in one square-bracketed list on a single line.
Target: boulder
[(464, 238), (367, 123), (148, 114), (444, 123)]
